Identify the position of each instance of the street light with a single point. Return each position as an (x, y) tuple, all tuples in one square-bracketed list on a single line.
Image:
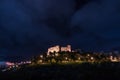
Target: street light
[(91, 58), (66, 58), (56, 54), (88, 55), (41, 56)]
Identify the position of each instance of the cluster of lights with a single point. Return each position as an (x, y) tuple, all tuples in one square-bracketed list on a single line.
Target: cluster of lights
[(24, 62), (41, 56), (113, 59), (9, 64)]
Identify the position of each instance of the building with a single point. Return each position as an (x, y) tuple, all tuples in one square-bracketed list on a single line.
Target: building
[(68, 48), (57, 48), (53, 49)]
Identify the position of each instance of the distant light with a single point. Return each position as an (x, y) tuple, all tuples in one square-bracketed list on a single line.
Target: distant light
[(40, 61), (114, 59), (79, 58), (56, 54), (91, 58), (4, 70), (111, 57), (9, 64), (17, 66), (66, 58), (28, 62), (88, 54), (41, 56)]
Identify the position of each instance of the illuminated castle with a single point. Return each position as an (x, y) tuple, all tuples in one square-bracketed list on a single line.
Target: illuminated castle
[(57, 48)]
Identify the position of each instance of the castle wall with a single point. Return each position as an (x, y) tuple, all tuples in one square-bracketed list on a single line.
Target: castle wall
[(58, 49), (53, 49)]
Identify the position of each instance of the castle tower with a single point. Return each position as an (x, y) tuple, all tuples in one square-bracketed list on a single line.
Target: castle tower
[(69, 48)]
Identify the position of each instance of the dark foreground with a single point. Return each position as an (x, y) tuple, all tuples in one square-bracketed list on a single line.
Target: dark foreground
[(85, 71)]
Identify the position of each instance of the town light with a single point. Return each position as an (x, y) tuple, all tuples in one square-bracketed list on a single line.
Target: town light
[(9, 64), (111, 57), (66, 58), (91, 58), (40, 61), (56, 54), (88, 55), (41, 56)]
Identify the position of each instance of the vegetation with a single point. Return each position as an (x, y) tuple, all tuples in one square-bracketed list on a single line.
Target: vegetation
[(75, 71), (67, 66), (63, 57)]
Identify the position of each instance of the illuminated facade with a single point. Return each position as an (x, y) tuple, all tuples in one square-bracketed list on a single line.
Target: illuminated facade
[(58, 49), (68, 48), (53, 49)]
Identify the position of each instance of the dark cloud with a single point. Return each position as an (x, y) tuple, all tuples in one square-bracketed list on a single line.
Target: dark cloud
[(102, 19), (31, 26)]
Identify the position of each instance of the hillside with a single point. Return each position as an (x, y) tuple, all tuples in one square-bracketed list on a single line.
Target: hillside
[(84, 71)]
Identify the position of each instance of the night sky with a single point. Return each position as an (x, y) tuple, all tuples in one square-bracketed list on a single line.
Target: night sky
[(28, 27)]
